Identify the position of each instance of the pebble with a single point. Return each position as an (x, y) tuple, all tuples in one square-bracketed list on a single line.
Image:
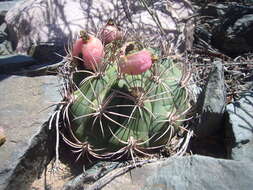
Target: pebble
[(2, 136)]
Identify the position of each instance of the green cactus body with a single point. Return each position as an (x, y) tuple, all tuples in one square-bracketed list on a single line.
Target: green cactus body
[(116, 113), (88, 98)]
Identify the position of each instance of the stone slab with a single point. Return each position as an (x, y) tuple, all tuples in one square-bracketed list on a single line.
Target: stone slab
[(23, 103), (190, 172)]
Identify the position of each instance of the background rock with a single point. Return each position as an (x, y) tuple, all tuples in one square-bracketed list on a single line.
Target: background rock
[(226, 27), (6, 5), (215, 10), (234, 34), (2, 16), (241, 123), (191, 172), (5, 44), (12, 63), (63, 19), (23, 111)]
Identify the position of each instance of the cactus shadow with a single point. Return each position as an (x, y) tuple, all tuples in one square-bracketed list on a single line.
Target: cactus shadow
[(211, 144)]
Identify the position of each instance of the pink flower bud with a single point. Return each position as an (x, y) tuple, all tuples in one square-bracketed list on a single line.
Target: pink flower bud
[(77, 47), (91, 49), (110, 32), (93, 53), (135, 63)]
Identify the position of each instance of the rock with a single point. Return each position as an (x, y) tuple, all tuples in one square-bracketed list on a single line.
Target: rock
[(5, 48), (23, 112), (92, 175), (29, 165), (64, 19), (241, 125), (7, 5), (12, 63), (3, 35), (249, 2), (214, 10), (5, 45), (212, 102), (2, 137), (2, 16), (38, 52), (233, 35), (190, 172), (209, 138)]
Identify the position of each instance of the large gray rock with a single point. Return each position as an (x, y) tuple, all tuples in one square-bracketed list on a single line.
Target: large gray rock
[(191, 172), (241, 123), (22, 114), (63, 19), (212, 102)]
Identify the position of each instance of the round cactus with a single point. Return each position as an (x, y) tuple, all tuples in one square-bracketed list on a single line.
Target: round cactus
[(133, 107)]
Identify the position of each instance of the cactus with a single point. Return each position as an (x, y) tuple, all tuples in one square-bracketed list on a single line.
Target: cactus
[(119, 115)]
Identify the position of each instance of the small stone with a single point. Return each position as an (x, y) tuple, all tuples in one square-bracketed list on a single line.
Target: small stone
[(2, 137)]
